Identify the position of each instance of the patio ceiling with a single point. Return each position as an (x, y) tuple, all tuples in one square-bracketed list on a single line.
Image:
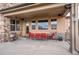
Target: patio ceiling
[(39, 10)]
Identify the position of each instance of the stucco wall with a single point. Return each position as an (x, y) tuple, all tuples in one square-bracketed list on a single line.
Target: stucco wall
[(61, 26)]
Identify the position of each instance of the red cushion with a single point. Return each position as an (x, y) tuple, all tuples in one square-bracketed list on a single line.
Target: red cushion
[(44, 36), (31, 35), (38, 36), (52, 35)]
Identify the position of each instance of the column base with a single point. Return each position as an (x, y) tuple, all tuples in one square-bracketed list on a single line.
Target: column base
[(74, 52)]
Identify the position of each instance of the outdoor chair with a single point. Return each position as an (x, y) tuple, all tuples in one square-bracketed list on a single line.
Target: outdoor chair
[(31, 35), (38, 36), (13, 36), (44, 36), (53, 36)]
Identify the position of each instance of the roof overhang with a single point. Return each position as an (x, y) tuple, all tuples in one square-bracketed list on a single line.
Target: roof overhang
[(37, 9)]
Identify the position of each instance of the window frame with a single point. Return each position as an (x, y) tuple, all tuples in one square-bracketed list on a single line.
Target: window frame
[(43, 20), (15, 24), (54, 20), (34, 24)]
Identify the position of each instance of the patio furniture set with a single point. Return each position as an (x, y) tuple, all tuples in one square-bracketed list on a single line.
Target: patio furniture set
[(45, 36)]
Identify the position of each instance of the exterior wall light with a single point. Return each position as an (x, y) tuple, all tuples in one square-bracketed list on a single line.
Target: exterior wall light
[(27, 24), (67, 6)]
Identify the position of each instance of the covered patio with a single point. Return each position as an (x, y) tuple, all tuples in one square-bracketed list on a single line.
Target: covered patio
[(37, 18), (33, 13)]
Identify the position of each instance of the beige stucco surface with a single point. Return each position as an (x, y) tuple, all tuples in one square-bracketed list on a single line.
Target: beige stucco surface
[(61, 25)]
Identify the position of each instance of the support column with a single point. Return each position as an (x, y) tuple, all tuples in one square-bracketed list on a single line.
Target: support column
[(4, 28), (73, 28), (24, 28), (76, 28), (1, 28)]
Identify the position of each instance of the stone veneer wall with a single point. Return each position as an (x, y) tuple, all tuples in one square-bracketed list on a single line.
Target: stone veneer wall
[(4, 28), (5, 22)]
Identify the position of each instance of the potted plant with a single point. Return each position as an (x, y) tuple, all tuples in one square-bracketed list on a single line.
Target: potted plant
[(59, 37)]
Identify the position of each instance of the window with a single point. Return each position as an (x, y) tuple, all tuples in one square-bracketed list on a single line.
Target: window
[(43, 24), (33, 25), (14, 25), (53, 23)]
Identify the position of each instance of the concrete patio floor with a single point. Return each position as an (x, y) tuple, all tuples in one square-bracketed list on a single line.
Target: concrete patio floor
[(34, 47)]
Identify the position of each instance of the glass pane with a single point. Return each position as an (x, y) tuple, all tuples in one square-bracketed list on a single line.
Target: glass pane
[(43, 24), (53, 24), (12, 27), (33, 24), (17, 21), (12, 21), (17, 27)]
